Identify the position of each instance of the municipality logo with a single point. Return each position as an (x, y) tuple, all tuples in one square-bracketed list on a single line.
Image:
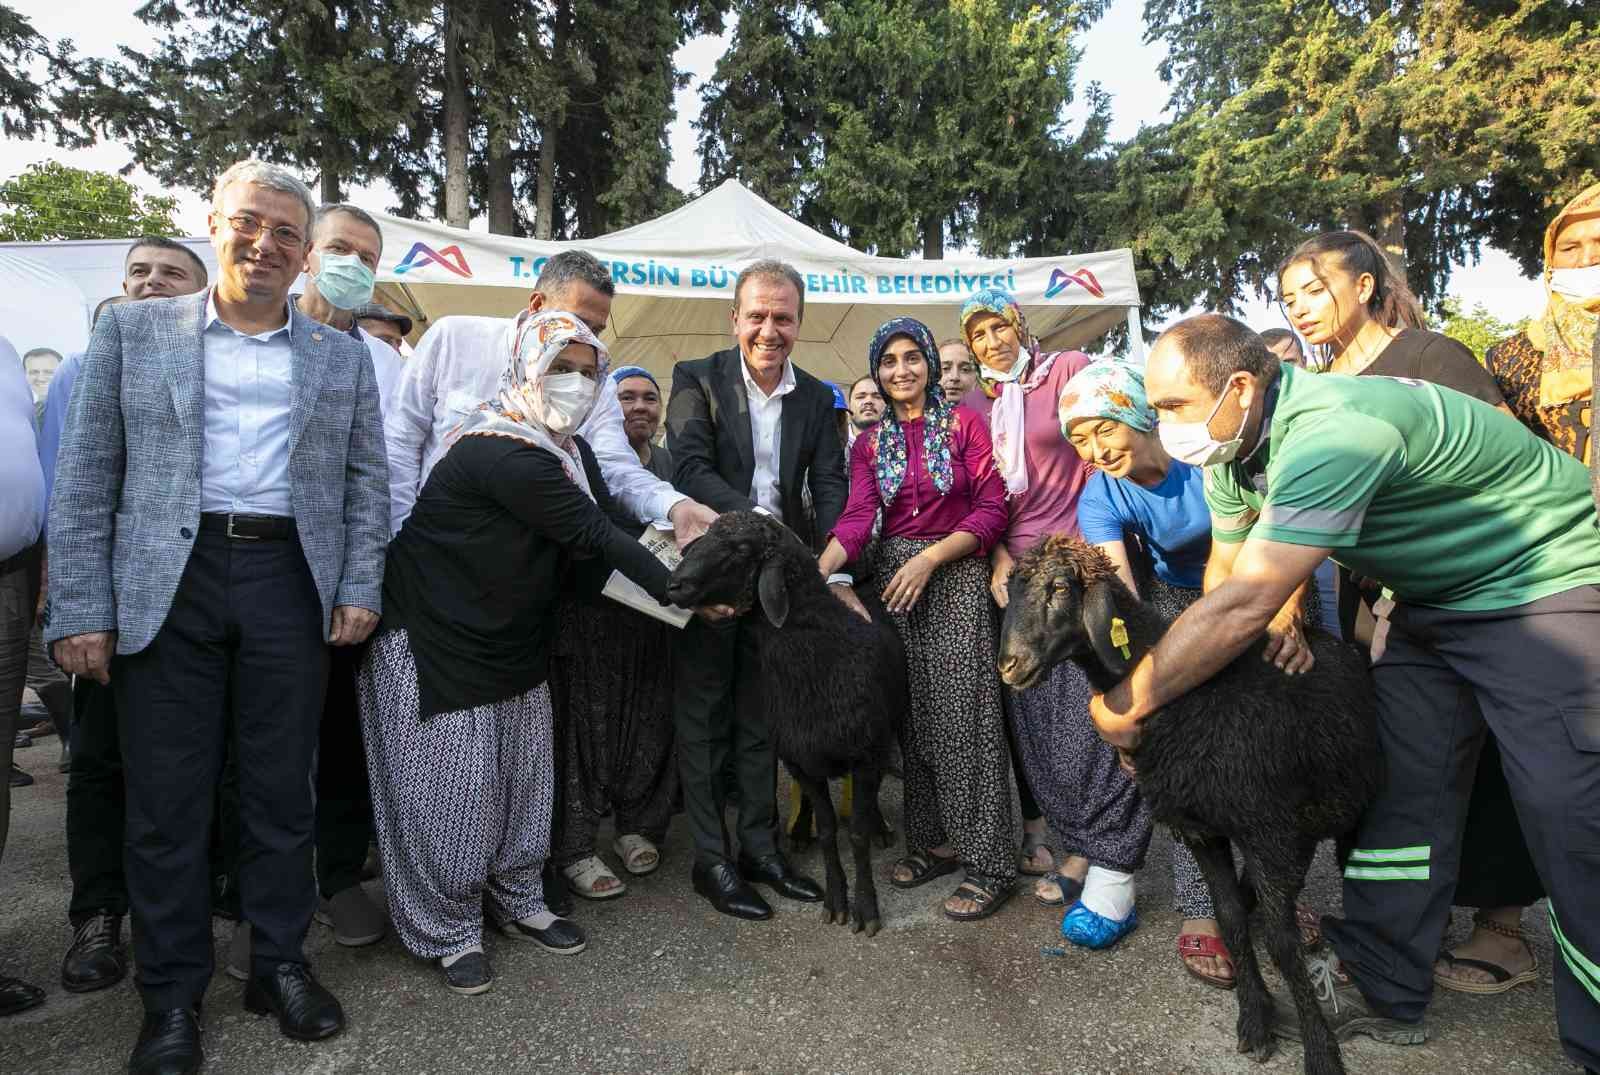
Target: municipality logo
[(1060, 281), (422, 254)]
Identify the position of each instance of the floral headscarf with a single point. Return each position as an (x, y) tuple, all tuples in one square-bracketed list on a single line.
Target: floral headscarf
[(1000, 303), (1007, 421), (938, 416), (1111, 389), (1566, 331), (515, 411)]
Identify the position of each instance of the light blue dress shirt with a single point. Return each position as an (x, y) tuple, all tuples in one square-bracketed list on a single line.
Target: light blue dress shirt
[(249, 396), (54, 419), (21, 481)]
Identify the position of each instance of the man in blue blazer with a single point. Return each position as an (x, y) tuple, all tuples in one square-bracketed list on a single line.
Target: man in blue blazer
[(219, 516)]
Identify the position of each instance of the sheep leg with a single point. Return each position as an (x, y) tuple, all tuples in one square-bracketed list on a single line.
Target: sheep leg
[(1255, 1005), (800, 829), (836, 894), (1279, 879), (866, 824)]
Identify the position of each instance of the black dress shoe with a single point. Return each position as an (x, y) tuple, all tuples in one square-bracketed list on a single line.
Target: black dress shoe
[(774, 870), (17, 995), (721, 884), (96, 959), (169, 1044), (305, 1010), (557, 893)]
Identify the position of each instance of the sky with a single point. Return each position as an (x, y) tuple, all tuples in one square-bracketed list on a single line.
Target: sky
[(1113, 53)]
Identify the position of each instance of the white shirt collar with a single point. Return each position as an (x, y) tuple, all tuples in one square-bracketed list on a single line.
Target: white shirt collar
[(786, 384), (214, 318)]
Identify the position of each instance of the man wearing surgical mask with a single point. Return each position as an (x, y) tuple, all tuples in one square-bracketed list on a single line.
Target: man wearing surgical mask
[(1488, 539), (341, 271)]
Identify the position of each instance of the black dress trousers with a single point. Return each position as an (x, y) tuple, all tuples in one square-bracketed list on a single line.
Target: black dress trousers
[(245, 628)]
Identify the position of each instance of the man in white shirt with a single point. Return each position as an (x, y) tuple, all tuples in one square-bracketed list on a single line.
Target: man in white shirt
[(747, 431), (341, 271), (457, 365)]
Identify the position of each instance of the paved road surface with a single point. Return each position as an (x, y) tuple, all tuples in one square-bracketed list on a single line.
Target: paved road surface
[(668, 985)]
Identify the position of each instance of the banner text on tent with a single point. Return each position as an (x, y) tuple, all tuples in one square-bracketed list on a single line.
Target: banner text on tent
[(652, 273)]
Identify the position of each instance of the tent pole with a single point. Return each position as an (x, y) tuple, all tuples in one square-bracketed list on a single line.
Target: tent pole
[(1135, 336)]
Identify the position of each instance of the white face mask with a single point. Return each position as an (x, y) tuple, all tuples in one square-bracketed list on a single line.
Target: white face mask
[(564, 401), (1192, 442), (1579, 285)]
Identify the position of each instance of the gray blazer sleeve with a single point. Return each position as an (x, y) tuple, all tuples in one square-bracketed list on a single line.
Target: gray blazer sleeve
[(366, 499), (88, 488)]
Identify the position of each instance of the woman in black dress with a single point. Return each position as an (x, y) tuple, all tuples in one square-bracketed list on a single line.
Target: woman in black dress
[(453, 694)]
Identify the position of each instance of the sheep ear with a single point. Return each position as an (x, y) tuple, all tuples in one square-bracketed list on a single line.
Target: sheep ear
[(773, 592), (1108, 634)]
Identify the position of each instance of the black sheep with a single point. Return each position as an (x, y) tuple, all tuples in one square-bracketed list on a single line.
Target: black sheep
[(833, 685), (1275, 763)]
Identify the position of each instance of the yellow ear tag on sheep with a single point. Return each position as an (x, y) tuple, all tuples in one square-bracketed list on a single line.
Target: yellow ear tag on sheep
[(1119, 636)]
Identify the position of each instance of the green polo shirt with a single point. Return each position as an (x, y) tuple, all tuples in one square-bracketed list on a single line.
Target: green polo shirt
[(1446, 500)]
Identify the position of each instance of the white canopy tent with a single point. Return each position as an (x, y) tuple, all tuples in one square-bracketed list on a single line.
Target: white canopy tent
[(40, 307), (675, 274)]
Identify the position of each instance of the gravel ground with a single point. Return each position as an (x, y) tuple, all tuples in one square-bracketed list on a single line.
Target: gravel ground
[(668, 985)]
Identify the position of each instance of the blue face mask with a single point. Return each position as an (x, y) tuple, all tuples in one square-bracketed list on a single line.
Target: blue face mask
[(344, 281)]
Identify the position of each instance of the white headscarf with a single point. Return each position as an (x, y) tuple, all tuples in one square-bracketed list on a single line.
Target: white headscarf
[(515, 411)]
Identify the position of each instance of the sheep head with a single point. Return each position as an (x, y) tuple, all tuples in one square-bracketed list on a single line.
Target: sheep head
[(1064, 602), (741, 560)]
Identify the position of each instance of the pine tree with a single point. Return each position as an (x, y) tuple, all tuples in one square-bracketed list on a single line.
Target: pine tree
[(1436, 125), (22, 102), (326, 86)]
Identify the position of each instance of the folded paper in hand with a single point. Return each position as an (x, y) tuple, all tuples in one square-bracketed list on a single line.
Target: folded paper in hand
[(622, 589)]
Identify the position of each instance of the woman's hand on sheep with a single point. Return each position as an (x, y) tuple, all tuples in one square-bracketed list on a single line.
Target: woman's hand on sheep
[(908, 583), (716, 613), (1286, 645), (847, 597), (1000, 565)]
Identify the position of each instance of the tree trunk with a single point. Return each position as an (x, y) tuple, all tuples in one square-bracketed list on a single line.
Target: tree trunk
[(330, 185), (498, 163), (933, 237), (549, 135), (1385, 221), (502, 196), (457, 122)]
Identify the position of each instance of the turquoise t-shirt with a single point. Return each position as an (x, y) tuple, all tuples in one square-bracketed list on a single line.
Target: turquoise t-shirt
[(1447, 500)]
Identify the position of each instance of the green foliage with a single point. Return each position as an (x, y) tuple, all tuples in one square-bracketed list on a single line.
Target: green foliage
[(52, 201), (22, 104), (1436, 126), (1478, 330), (320, 85), (898, 125)]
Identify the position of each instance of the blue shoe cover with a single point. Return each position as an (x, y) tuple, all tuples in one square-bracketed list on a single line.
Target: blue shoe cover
[(1086, 929)]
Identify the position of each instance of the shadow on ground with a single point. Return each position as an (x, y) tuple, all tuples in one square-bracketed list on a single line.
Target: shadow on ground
[(668, 985)]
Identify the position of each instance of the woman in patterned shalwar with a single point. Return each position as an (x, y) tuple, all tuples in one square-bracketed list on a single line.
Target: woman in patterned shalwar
[(453, 694), (928, 464)]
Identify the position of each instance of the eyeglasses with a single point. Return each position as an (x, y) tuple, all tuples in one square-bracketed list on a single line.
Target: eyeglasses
[(248, 227)]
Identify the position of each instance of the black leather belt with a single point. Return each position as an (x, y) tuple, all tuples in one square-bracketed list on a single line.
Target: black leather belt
[(248, 527)]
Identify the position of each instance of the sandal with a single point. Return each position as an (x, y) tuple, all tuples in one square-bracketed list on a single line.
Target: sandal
[(639, 856), (1070, 888), (924, 867), (1503, 978), (989, 893), (1199, 945), (1032, 844), (588, 872)]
